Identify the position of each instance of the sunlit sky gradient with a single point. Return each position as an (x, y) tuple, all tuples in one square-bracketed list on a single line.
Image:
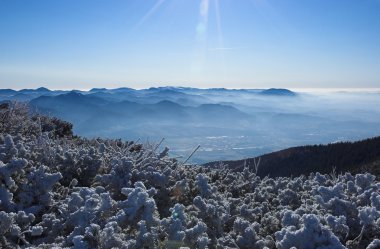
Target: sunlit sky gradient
[(80, 44)]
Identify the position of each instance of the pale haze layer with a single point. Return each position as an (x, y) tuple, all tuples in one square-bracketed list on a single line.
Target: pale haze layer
[(201, 43)]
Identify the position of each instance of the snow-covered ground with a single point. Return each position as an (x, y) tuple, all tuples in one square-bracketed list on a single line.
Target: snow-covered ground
[(79, 193)]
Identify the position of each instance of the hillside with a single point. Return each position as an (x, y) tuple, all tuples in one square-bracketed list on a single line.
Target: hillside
[(278, 92), (62, 191), (341, 157)]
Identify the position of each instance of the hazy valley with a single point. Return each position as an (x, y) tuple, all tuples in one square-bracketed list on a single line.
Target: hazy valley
[(227, 124)]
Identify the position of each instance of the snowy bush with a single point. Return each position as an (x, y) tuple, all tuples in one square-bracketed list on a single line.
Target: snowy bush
[(61, 191), (312, 234)]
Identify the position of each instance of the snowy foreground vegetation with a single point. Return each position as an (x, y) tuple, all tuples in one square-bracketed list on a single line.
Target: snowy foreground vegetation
[(58, 190)]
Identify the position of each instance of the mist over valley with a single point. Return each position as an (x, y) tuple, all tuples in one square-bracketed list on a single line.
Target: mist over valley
[(228, 124)]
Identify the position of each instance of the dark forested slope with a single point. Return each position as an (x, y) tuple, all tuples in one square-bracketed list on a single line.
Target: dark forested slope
[(344, 156)]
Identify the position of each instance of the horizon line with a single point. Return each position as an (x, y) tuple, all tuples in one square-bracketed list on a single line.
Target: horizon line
[(295, 89)]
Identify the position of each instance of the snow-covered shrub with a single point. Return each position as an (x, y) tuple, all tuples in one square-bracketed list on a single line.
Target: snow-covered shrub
[(36, 194), (175, 226), (312, 234), (246, 235), (139, 206), (290, 218), (202, 185), (338, 226), (374, 244), (289, 197), (364, 181), (62, 191), (196, 237), (214, 213), (119, 177)]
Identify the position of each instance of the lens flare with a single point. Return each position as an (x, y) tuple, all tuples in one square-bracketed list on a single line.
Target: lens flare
[(219, 24), (151, 11), (203, 20), (201, 37)]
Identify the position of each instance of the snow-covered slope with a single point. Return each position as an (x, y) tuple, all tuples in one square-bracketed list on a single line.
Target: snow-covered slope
[(65, 191)]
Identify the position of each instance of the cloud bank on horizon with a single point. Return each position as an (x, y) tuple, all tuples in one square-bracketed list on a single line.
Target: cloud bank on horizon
[(203, 43)]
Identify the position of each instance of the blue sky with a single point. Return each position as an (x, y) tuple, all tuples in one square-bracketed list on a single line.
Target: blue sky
[(64, 44)]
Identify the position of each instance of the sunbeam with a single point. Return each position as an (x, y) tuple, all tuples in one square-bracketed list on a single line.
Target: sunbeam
[(201, 37), (219, 24), (220, 32), (149, 13)]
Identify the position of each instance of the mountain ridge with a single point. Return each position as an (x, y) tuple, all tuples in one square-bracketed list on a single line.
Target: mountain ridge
[(168, 91), (229, 124), (338, 157)]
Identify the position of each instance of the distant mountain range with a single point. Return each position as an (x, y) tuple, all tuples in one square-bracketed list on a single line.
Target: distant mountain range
[(91, 112), (154, 112), (183, 95), (360, 156), (228, 124)]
